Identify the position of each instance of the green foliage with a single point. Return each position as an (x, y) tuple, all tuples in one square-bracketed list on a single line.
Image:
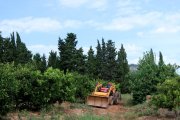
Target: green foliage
[(127, 99), (39, 62), (91, 63), (1, 48), (23, 55), (106, 60), (144, 109), (80, 61), (122, 70), (13, 50), (8, 88), (52, 83), (43, 63), (67, 52), (53, 60), (98, 60), (84, 86), (110, 63), (149, 74), (68, 89), (7, 55), (165, 71), (146, 80), (27, 77), (168, 94), (23, 87)]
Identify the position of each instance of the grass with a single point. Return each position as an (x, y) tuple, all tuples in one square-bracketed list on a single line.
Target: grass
[(79, 105), (135, 111), (145, 109), (127, 100)]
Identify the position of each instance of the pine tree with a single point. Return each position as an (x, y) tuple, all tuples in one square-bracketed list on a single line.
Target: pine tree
[(53, 60), (67, 52), (90, 65), (122, 68)]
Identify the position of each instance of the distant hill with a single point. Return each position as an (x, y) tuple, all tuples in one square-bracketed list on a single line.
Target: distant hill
[(133, 67)]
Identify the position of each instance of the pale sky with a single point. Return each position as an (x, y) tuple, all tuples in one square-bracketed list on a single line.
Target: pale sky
[(137, 24)]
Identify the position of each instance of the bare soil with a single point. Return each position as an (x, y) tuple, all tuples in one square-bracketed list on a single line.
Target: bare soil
[(115, 112)]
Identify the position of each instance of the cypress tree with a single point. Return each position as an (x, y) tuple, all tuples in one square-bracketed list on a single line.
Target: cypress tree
[(23, 54), (90, 65), (103, 60), (80, 61), (165, 71), (161, 61), (37, 61), (7, 51), (43, 63), (63, 56), (98, 60), (13, 43), (161, 68), (1, 48), (110, 66), (122, 69)]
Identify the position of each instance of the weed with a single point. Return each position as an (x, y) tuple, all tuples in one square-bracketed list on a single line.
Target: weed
[(145, 109), (127, 99), (130, 116)]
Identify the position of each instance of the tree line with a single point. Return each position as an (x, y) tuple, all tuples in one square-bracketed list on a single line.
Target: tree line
[(107, 63)]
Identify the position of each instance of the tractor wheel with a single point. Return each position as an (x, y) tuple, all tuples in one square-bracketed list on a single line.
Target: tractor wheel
[(116, 97), (116, 101), (111, 100)]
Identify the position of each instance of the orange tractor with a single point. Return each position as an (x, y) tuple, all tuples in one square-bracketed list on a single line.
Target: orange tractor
[(103, 96)]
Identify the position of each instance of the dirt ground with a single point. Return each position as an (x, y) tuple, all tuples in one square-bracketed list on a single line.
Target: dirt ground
[(113, 109), (115, 112)]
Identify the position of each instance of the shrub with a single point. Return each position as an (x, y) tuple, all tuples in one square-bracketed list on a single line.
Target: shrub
[(23, 87), (68, 88), (27, 78), (8, 88), (52, 84), (84, 86), (168, 94)]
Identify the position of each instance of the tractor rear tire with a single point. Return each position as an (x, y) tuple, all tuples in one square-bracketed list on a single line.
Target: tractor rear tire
[(116, 97), (111, 100)]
